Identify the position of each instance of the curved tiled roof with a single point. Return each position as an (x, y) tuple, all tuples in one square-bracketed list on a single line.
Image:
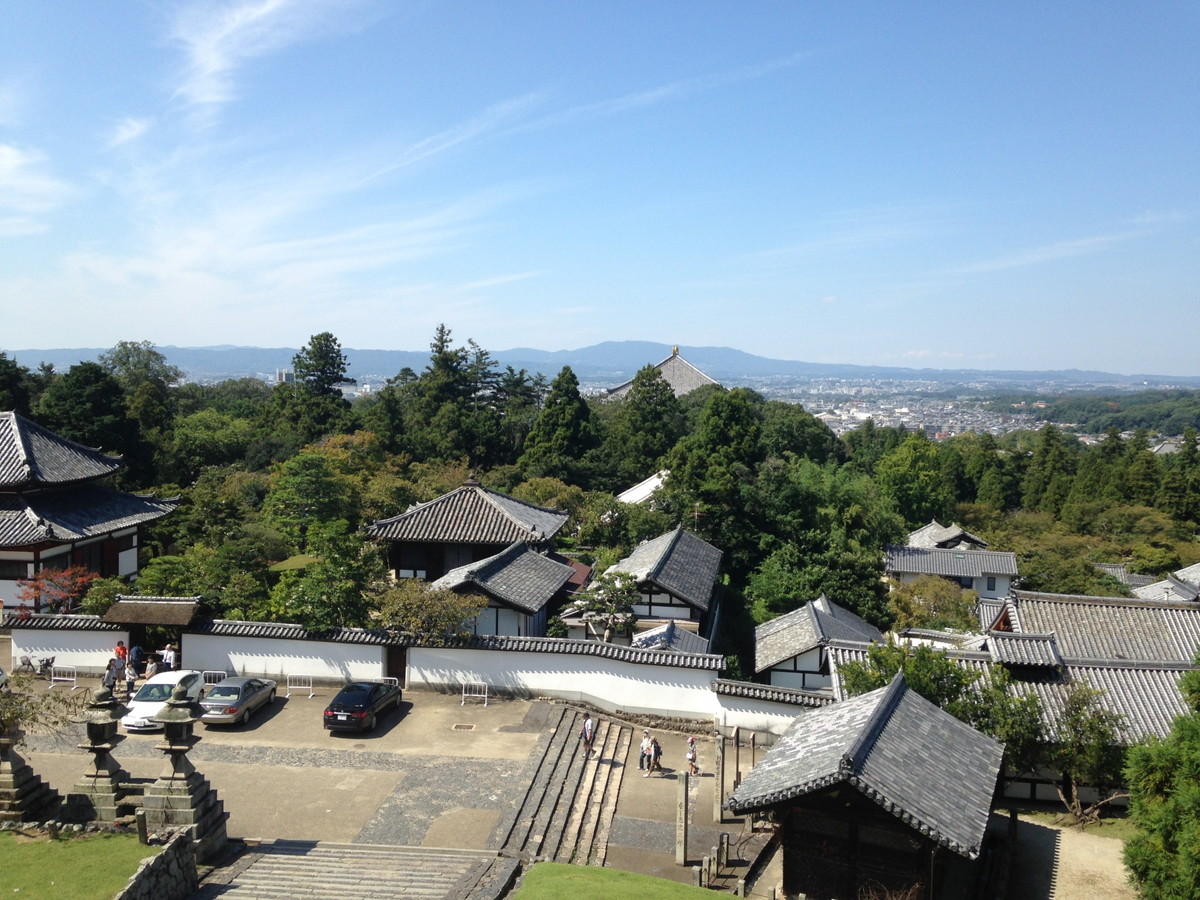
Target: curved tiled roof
[(55, 622), (517, 576), (915, 761), (771, 693), (293, 632), (1024, 649), (679, 563), (1113, 628), (31, 455), (670, 636), (472, 514), (937, 535), (950, 563), (616, 652), (73, 514)]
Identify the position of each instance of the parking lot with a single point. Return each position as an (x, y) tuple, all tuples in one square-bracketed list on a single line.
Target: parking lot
[(284, 776)]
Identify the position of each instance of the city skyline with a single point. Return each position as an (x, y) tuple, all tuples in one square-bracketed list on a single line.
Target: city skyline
[(999, 186)]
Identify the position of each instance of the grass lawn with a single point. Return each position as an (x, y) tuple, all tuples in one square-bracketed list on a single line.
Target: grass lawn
[(553, 881), (82, 867)]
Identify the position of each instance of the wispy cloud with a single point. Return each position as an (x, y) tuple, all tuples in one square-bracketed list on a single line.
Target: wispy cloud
[(128, 129), (1034, 256), (852, 230), (219, 38), (497, 280), (489, 121), (27, 191)]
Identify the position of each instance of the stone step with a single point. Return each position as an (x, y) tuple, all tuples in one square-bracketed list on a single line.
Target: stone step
[(305, 871)]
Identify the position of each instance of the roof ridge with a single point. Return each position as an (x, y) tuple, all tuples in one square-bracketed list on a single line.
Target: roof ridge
[(857, 751)]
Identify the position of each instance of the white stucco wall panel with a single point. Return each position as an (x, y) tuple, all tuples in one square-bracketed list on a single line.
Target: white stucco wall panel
[(605, 683), (274, 658), (88, 651)]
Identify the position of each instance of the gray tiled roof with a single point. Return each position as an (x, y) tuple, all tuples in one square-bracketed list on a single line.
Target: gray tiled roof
[(293, 632), (937, 535), (1024, 649), (680, 374), (74, 513), (1180, 585), (1112, 629), (130, 610), (949, 563), (918, 763), (517, 576), (802, 629), (670, 636), (55, 622), (1123, 575), (472, 514), (31, 455), (988, 610), (617, 652), (679, 563), (771, 693)]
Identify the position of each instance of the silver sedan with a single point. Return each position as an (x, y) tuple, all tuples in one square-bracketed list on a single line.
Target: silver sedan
[(236, 700)]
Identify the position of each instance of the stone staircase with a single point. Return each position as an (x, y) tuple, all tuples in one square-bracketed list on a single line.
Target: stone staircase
[(566, 815), (303, 870)]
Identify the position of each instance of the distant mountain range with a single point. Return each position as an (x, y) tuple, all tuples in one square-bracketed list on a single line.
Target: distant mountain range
[(611, 362)]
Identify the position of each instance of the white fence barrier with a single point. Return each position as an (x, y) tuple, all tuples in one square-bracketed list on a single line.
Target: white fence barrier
[(64, 675), (300, 683), (388, 679), (214, 676), (476, 690)]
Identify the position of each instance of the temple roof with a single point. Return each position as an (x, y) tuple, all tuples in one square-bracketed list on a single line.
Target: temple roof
[(917, 762), (679, 563), (74, 514), (811, 625), (473, 514), (517, 576), (32, 456), (680, 374)]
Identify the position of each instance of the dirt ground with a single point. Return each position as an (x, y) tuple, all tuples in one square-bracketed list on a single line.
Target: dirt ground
[(1066, 864)]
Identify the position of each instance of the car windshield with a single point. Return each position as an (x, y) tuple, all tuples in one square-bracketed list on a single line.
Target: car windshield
[(355, 692), (154, 692), (223, 692)]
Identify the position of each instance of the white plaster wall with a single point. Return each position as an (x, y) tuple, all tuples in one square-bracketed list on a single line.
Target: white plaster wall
[(605, 683), (8, 593), (756, 715), (88, 651), (1003, 583), (275, 658), (127, 562)]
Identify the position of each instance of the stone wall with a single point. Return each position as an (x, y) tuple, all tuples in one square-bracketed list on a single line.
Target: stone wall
[(171, 875)]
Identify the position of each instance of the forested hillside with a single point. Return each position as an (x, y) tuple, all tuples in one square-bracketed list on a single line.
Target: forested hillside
[(1159, 412), (267, 474)]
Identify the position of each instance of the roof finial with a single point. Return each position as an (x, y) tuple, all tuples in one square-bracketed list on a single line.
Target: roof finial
[(675, 350)]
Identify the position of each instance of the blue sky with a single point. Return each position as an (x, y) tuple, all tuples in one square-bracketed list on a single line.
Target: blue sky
[(982, 185)]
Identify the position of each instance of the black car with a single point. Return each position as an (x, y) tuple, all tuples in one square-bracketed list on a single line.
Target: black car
[(359, 704)]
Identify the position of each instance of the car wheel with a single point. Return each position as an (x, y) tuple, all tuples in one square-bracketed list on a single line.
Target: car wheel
[(371, 723), (271, 698), (246, 715)]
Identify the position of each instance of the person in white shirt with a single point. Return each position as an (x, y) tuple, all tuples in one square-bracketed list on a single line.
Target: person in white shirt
[(167, 654)]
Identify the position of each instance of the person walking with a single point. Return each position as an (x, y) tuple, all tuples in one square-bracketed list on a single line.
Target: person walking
[(644, 755), (137, 659), (120, 652), (587, 734), (655, 758), (690, 756)]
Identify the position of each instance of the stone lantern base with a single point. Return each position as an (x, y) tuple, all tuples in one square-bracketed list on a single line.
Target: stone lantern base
[(24, 797), (175, 803)]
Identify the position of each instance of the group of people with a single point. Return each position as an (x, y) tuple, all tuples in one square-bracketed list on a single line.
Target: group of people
[(650, 757), (127, 664)]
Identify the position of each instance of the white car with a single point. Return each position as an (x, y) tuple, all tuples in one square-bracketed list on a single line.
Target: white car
[(153, 695)]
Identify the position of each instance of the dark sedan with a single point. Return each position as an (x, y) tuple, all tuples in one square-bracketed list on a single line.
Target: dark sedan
[(359, 704), (235, 700)]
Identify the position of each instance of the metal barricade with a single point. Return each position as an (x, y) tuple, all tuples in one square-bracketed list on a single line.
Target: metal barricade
[(300, 684), (64, 675), (477, 690), (214, 676)]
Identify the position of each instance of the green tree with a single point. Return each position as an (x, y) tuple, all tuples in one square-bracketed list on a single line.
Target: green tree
[(1163, 856), (87, 405), (330, 592), (1086, 750), (14, 386), (562, 433), (306, 491), (607, 603), (788, 428), (134, 363), (321, 366), (932, 602), (1048, 477), (430, 615), (645, 426), (911, 476)]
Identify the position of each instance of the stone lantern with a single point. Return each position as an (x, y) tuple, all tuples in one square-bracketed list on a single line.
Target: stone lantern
[(98, 794), (181, 797)]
